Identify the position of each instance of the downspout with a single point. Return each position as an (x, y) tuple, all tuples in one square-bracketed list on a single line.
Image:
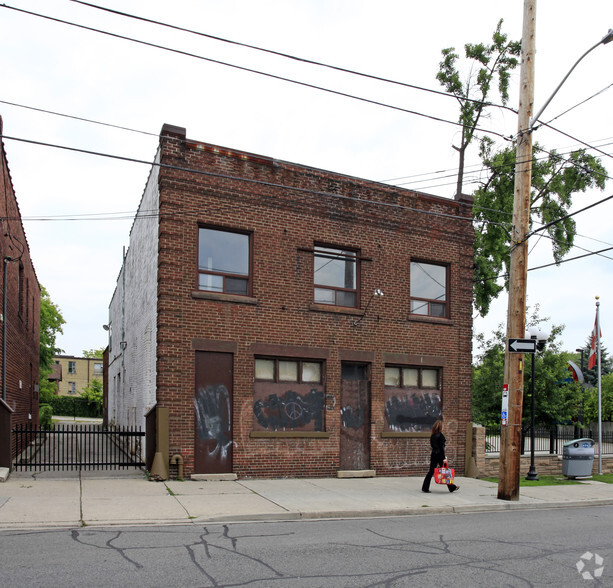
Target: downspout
[(4, 278)]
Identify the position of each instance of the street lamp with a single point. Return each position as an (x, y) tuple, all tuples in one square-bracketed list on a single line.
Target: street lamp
[(541, 338), (606, 39)]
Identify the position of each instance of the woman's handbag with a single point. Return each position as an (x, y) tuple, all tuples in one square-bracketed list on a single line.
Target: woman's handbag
[(444, 475)]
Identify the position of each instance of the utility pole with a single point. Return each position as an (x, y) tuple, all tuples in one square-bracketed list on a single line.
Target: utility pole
[(508, 484)]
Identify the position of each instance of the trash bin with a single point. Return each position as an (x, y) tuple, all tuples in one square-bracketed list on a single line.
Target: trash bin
[(578, 458)]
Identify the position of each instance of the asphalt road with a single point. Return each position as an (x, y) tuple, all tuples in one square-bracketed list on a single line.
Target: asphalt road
[(519, 548)]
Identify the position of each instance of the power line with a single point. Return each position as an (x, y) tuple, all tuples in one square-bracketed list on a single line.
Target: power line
[(89, 120), (250, 70), (579, 104), (555, 222), (530, 269), (292, 57)]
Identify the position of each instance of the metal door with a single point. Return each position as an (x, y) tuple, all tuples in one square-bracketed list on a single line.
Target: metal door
[(213, 413), (355, 417)]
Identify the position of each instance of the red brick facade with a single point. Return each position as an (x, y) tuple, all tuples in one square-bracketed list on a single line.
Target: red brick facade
[(287, 210), (22, 320)]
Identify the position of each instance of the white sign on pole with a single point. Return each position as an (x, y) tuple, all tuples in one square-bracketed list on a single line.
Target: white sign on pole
[(504, 414)]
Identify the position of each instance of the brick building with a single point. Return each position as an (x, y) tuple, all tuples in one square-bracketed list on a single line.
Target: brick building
[(73, 374), (294, 321), (20, 324)]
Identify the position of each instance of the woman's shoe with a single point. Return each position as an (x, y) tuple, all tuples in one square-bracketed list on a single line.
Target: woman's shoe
[(454, 489), (426, 491)]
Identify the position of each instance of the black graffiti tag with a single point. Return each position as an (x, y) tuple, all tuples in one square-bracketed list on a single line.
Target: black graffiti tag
[(291, 410), (413, 413), (212, 406)]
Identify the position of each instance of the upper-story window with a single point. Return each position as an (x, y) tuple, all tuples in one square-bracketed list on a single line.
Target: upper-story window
[(429, 289), (223, 261), (335, 276), (72, 367), (98, 368)]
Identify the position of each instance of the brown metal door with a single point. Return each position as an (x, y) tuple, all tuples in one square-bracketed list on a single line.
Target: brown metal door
[(213, 413), (355, 418)]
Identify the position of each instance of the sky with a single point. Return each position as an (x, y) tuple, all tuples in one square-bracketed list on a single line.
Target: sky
[(77, 207)]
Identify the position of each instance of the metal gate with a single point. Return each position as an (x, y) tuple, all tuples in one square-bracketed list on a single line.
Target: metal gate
[(77, 447)]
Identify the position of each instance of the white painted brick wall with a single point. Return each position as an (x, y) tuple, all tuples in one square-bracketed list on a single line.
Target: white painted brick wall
[(132, 314)]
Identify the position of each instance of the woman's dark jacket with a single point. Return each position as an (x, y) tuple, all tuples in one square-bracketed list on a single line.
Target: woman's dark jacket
[(437, 442)]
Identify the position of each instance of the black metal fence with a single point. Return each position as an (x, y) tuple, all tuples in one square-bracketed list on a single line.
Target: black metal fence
[(547, 439), (78, 447)]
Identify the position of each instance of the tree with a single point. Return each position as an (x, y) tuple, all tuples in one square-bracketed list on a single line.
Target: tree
[(555, 399), (93, 392), (488, 63), (591, 401), (591, 376), (51, 321), (93, 353), (555, 179)]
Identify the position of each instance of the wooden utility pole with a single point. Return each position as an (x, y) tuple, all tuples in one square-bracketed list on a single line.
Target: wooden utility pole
[(508, 484)]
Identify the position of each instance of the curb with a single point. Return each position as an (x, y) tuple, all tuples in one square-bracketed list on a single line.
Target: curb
[(309, 515)]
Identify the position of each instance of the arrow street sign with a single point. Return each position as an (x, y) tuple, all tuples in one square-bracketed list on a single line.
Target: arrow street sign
[(522, 345)]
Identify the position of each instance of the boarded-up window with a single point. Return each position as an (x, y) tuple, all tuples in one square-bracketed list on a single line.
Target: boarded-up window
[(412, 398), (288, 395)]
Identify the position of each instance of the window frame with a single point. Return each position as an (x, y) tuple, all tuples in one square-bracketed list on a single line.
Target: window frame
[(224, 275), (430, 301), (348, 253), (72, 367), (391, 428), (299, 361), (289, 408)]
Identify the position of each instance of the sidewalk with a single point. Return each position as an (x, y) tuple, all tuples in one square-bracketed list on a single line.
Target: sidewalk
[(72, 499)]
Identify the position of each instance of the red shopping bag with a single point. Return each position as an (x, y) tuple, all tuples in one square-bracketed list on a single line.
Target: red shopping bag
[(444, 475)]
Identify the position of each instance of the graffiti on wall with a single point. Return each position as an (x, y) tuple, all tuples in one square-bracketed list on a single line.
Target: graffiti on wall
[(213, 418), (352, 418), (291, 411), (415, 412)]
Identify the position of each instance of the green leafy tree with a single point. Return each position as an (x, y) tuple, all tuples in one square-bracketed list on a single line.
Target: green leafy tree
[(556, 400), (51, 321), (591, 401), (555, 179), (93, 392), (591, 375), (487, 64), (93, 353)]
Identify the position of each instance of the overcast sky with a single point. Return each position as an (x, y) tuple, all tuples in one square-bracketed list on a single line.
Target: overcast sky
[(77, 208)]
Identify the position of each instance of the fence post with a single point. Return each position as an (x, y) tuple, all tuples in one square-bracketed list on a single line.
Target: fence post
[(552, 439), (6, 431)]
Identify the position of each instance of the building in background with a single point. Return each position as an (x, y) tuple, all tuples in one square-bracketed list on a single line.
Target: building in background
[(20, 321), (292, 321), (72, 374)]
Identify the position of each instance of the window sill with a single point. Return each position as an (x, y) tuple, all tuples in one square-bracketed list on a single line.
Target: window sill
[(418, 318), (202, 295), (405, 435), (336, 309), (289, 434)]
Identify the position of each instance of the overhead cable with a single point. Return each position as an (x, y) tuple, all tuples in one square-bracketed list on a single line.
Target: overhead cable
[(292, 57), (254, 71)]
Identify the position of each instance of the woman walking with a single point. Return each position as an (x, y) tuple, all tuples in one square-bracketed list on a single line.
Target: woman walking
[(437, 457)]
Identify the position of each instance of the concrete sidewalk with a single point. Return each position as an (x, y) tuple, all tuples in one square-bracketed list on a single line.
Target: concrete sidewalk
[(73, 499)]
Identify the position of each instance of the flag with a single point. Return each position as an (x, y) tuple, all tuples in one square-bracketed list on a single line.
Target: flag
[(591, 363)]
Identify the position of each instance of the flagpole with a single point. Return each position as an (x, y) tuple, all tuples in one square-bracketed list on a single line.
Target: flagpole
[(599, 387)]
